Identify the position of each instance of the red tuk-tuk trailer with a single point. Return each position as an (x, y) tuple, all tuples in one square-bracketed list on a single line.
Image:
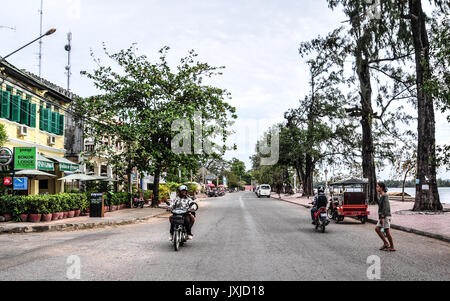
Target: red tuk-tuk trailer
[(349, 198)]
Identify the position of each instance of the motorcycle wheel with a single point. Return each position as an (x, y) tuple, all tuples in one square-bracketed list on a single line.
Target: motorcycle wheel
[(176, 240), (363, 219), (323, 228)]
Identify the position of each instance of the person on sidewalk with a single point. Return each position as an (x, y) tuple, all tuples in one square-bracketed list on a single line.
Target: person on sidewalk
[(384, 218), (183, 201), (320, 200)]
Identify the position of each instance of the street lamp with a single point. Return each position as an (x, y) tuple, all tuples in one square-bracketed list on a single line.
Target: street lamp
[(49, 32)]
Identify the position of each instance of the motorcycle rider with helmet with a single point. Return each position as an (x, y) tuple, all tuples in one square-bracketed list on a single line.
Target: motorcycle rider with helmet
[(183, 201), (320, 200)]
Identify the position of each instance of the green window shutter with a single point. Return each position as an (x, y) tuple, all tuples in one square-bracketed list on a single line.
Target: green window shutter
[(32, 115), (48, 120), (24, 111), (41, 118), (55, 121), (5, 104), (61, 125), (15, 108)]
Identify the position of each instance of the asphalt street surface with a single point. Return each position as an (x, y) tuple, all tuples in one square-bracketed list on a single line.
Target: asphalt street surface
[(236, 238)]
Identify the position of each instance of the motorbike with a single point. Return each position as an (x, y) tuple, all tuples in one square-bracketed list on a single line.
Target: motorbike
[(332, 211), (213, 193), (321, 219), (138, 202), (180, 232)]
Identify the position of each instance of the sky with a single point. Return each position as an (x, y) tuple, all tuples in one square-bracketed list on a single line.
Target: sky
[(256, 40)]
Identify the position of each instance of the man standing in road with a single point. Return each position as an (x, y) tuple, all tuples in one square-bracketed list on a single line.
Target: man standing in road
[(384, 218)]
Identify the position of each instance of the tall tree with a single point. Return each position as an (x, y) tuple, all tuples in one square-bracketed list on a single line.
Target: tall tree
[(156, 105), (372, 41), (320, 124), (427, 195)]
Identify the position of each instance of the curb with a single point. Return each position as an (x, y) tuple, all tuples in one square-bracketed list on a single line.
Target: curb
[(393, 226), (77, 226), (415, 231)]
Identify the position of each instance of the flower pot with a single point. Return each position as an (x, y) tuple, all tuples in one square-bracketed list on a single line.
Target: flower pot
[(34, 218), (71, 214), (77, 212), (60, 215), (106, 208), (24, 217), (65, 214), (7, 217), (47, 217), (113, 208), (55, 216)]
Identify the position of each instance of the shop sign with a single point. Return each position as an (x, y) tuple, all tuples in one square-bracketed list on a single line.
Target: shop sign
[(20, 183), (25, 158), (6, 156)]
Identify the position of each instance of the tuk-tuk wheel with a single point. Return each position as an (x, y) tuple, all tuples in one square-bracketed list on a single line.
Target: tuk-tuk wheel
[(363, 219)]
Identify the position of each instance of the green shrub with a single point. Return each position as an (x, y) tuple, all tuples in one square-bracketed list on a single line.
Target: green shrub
[(192, 188), (172, 186), (148, 194), (43, 204), (164, 192)]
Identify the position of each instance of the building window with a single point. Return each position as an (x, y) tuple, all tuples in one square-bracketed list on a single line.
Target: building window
[(43, 184)]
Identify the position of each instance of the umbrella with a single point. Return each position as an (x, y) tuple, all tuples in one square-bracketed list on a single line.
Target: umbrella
[(211, 185), (32, 173), (104, 179), (78, 176)]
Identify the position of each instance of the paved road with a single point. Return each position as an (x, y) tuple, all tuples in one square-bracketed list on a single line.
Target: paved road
[(237, 237)]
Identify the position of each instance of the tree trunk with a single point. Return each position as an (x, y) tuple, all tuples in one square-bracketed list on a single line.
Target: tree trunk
[(155, 200), (308, 185), (403, 186), (368, 150), (130, 187), (426, 146)]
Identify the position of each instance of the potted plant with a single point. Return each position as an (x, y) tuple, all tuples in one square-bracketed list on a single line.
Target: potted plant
[(5, 207), (45, 209), (65, 206), (35, 206), (19, 209)]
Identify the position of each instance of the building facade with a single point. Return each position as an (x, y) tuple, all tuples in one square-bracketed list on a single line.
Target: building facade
[(33, 112)]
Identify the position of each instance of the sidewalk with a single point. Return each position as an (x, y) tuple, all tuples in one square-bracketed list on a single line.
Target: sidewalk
[(434, 226), (115, 218)]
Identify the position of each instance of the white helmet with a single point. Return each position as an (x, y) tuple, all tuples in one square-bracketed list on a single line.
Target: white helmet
[(183, 187)]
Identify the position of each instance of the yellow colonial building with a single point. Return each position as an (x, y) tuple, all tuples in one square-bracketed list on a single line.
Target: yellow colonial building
[(33, 113)]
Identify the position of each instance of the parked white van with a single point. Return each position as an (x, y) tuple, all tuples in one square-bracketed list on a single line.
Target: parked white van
[(264, 190)]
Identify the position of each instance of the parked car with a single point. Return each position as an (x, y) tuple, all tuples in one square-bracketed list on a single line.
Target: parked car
[(256, 190), (264, 190)]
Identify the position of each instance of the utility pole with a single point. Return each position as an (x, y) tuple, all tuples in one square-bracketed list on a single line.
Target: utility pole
[(40, 41), (68, 48)]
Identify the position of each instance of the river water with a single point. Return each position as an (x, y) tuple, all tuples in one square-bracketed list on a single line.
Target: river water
[(444, 193)]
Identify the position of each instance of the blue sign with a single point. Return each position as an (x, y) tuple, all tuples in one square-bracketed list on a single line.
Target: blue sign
[(20, 184)]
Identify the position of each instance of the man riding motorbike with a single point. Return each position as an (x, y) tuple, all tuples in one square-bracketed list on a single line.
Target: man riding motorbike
[(320, 200), (183, 201)]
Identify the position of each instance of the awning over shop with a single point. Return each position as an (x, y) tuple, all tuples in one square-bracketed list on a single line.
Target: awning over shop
[(32, 173), (64, 164), (45, 164)]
